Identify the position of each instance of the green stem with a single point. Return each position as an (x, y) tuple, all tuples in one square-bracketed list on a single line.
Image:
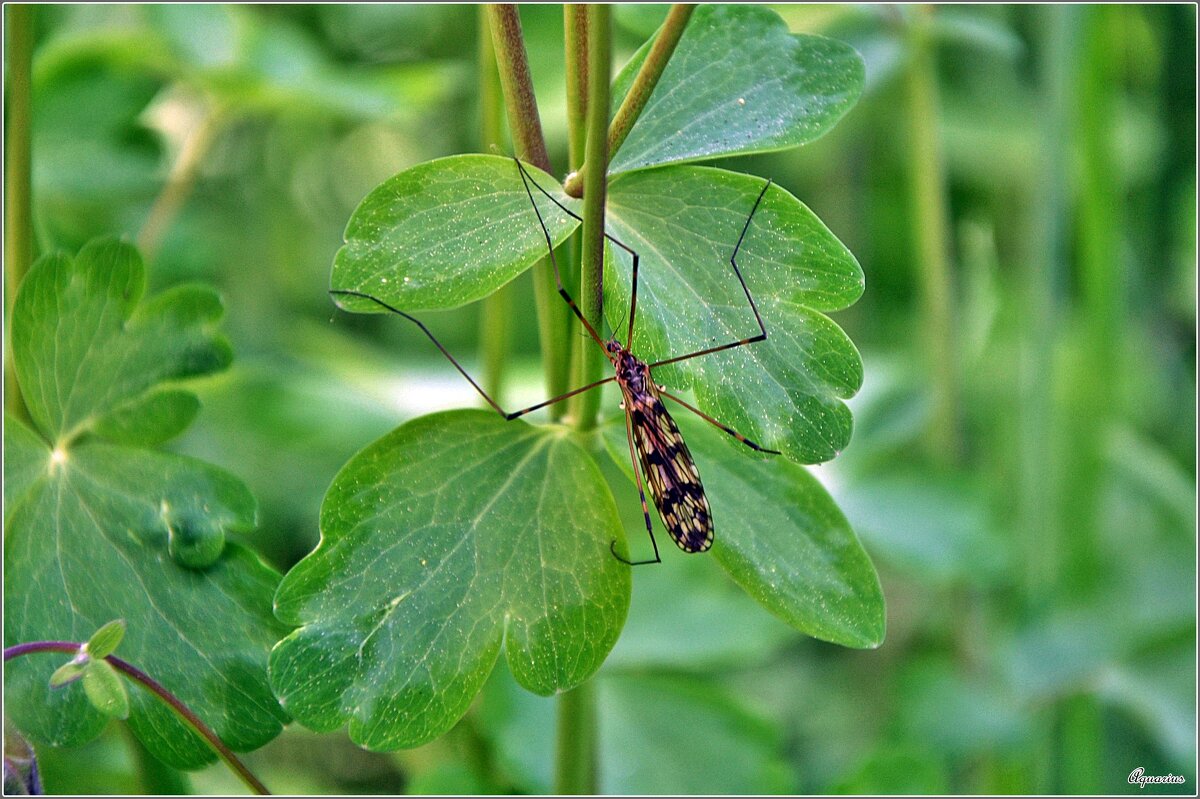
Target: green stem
[(575, 18), (589, 359), (642, 88), (494, 326), (153, 686), (928, 216), (526, 127), (575, 749), (18, 206)]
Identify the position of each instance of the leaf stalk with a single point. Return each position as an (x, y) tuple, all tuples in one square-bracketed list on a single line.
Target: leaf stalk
[(153, 686), (642, 88), (530, 145)]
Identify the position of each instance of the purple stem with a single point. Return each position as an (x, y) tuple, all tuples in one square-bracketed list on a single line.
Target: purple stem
[(152, 685)]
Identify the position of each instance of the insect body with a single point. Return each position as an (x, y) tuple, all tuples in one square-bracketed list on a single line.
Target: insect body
[(664, 457), (655, 444)]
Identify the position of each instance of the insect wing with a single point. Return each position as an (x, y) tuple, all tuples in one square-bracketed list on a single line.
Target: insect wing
[(671, 475)]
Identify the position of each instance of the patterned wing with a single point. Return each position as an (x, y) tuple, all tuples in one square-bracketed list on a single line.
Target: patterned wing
[(671, 474)]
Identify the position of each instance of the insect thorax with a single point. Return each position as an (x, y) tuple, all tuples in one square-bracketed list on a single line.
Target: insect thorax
[(632, 373)]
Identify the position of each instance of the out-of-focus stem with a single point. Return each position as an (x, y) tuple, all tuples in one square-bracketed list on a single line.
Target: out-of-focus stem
[(928, 214), (642, 87), (180, 182), (18, 205)]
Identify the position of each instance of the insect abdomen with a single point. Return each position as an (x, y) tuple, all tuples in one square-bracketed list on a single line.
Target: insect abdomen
[(671, 474)]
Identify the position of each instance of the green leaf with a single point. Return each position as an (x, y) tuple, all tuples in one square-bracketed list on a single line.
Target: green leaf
[(105, 690), (68, 672), (453, 535), (738, 82), (781, 537), (784, 393), (445, 233), (89, 522), (106, 640), (150, 419), (77, 367)]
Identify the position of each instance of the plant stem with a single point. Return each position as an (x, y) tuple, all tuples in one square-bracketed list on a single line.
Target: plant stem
[(494, 327), (180, 182), (589, 359), (575, 18), (153, 686), (575, 747), (642, 88), (18, 206), (928, 215), (526, 127)]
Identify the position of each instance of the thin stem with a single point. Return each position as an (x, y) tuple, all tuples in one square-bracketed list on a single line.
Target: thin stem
[(180, 182), (154, 687), (575, 747), (589, 359), (643, 86), (18, 205), (494, 327), (928, 215), (525, 124), (575, 18), (517, 84)]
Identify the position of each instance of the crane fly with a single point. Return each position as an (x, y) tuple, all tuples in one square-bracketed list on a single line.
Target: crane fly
[(655, 444)]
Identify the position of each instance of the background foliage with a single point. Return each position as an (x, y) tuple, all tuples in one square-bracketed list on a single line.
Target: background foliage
[(1018, 186)]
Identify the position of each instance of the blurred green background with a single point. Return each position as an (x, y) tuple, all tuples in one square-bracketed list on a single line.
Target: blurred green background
[(1018, 183)]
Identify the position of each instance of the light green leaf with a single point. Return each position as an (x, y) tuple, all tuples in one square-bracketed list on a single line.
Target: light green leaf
[(781, 537), (105, 690), (88, 521), (106, 640), (24, 461), (784, 393), (152, 418), (445, 233), (68, 673), (738, 82), (84, 343), (455, 534)]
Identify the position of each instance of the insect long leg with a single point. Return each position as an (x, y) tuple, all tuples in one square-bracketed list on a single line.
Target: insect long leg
[(508, 416), (527, 178), (645, 508), (726, 428), (762, 329)]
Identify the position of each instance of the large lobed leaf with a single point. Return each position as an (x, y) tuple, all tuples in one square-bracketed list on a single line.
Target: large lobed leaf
[(785, 392), (445, 233), (738, 82), (454, 535), (97, 528)]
